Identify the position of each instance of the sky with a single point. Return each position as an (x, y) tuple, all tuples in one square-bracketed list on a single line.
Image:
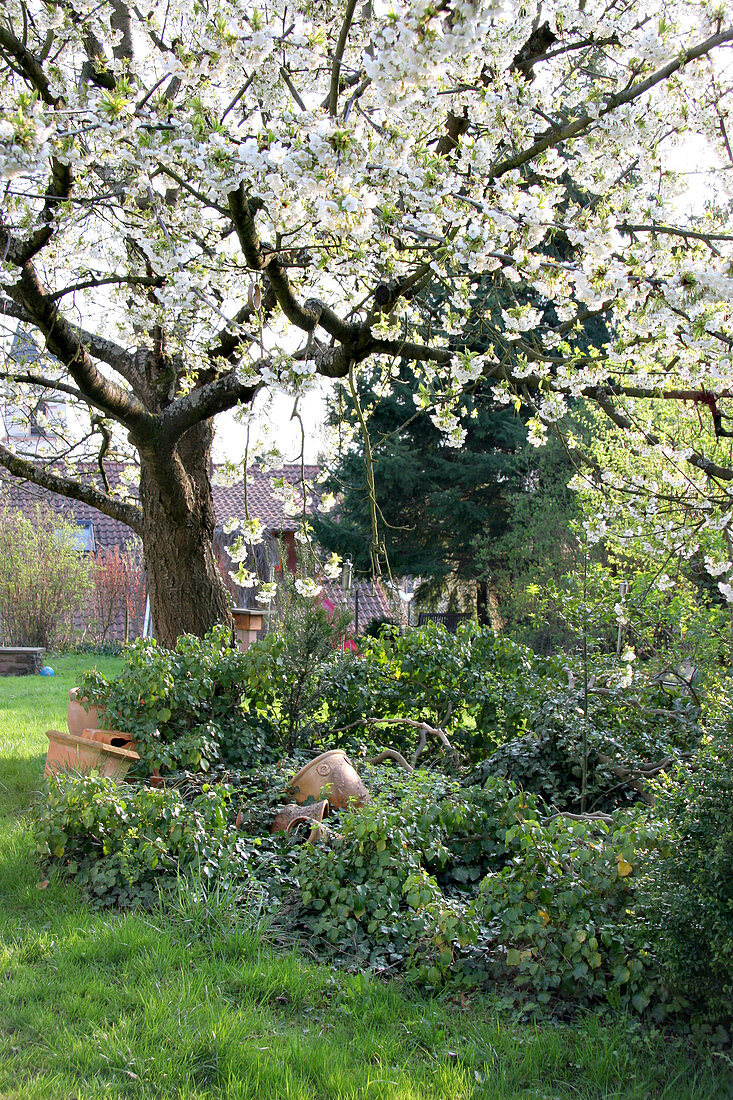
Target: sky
[(274, 425)]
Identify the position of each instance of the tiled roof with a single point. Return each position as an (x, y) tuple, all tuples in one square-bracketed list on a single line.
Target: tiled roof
[(374, 603), (277, 514), (23, 495), (263, 501)]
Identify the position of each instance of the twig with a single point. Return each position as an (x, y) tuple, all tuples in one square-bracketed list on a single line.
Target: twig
[(424, 728)]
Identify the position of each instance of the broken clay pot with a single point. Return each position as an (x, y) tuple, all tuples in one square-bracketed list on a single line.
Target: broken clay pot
[(288, 817), (117, 738), (67, 752), (331, 775)]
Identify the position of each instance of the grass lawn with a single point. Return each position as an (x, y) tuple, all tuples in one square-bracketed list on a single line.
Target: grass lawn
[(199, 1004)]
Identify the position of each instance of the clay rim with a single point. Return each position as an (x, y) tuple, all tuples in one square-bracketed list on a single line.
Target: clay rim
[(317, 760)]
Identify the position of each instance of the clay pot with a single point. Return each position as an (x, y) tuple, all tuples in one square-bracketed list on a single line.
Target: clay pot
[(78, 718), (67, 752), (121, 740), (330, 776), (117, 738), (293, 814)]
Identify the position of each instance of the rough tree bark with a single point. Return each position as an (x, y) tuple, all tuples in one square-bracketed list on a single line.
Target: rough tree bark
[(177, 530)]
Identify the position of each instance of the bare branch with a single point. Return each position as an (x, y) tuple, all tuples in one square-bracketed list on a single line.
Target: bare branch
[(107, 351), (333, 94), (108, 280), (675, 231)]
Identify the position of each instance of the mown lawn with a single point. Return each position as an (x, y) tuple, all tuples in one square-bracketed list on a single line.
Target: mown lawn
[(195, 1002)]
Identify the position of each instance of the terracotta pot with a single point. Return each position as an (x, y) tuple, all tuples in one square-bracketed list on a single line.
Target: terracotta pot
[(118, 738), (67, 752), (293, 814), (330, 776), (78, 718)]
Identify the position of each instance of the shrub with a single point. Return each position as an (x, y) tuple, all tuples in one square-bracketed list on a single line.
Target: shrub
[(373, 893), (204, 701), (43, 576), (509, 712), (308, 635), (690, 886), (563, 911), (429, 879), (124, 844), (118, 598)]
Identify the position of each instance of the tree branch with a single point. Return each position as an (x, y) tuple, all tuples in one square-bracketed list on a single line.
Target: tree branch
[(107, 351), (29, 66), (671, 230), (204, 402), (108, 280), (333, 94), (556, 135), (706, 465), (126, 513), (305, 317), (54, 384), (64, 342)]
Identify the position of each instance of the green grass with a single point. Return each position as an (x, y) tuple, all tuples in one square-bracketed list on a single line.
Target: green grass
[(203, 1000)]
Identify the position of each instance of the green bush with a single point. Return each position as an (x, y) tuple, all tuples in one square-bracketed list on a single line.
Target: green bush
[(429, 879), (43, 577), (438, 879), (507, 711), (690, 886), (203, 702), (374, 892), (563, 911), (474, 684)]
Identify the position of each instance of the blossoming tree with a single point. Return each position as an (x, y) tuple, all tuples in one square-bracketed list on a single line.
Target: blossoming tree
[(205, 199)]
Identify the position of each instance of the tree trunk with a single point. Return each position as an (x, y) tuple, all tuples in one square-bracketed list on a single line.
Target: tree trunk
[(482, 602), (187, 594)]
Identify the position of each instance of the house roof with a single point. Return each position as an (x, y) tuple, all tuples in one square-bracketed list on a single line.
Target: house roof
[(374, 602), (279, 508), (107, 532)]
